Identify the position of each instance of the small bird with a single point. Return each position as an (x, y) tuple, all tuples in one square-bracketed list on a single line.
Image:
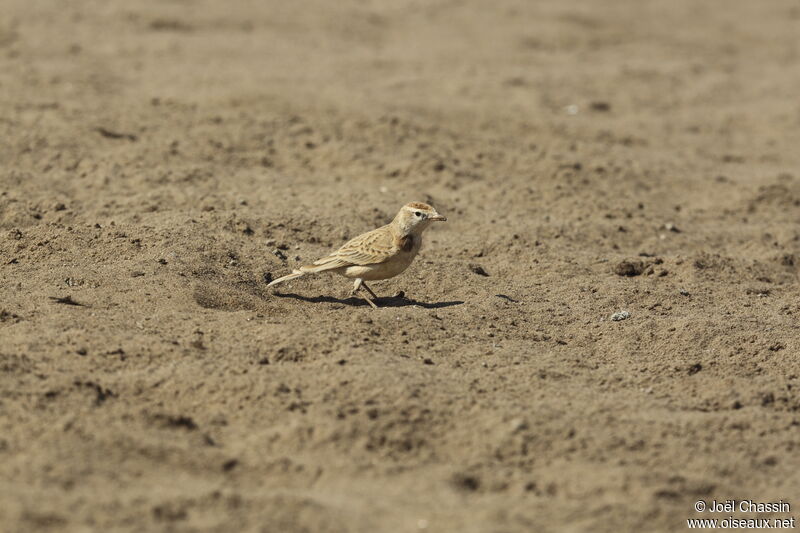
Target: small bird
[(381, 253)]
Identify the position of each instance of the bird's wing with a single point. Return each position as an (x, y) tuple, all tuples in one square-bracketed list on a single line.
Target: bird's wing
[(369, 248)]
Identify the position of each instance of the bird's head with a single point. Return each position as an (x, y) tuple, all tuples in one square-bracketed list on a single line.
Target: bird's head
[(413, 218)]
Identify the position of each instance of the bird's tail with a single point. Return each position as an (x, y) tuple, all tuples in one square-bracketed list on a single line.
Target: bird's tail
[(319, 266), (294, 275)]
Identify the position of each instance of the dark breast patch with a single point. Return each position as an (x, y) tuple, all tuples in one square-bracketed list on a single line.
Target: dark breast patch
[(407, 243)]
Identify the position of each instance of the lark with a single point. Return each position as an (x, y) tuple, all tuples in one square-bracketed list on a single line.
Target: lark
[(382, 253)]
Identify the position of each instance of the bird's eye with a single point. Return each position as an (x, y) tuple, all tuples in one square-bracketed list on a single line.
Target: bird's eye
[(418, 214)]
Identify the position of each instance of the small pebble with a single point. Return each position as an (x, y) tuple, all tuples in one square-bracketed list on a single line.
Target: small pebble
[(479, 270), (600, 106), (620, 315), (629, 268)]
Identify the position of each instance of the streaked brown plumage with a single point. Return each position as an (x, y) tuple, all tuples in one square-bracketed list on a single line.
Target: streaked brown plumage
[(378, 254)]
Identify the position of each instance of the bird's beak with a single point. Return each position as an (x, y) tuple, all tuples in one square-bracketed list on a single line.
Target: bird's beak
[(437, 216)]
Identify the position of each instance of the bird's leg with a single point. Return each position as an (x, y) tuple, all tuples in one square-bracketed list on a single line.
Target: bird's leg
[(368, 289), (370, 302), (358, 285)]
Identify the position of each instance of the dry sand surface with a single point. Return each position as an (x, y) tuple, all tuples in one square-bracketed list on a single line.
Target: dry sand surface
[(161, 159)]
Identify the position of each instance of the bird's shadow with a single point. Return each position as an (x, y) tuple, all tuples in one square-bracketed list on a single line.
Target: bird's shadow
[(358, 302)]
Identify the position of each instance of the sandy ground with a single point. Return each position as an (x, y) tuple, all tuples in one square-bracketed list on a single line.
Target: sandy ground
[(161, 159)]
